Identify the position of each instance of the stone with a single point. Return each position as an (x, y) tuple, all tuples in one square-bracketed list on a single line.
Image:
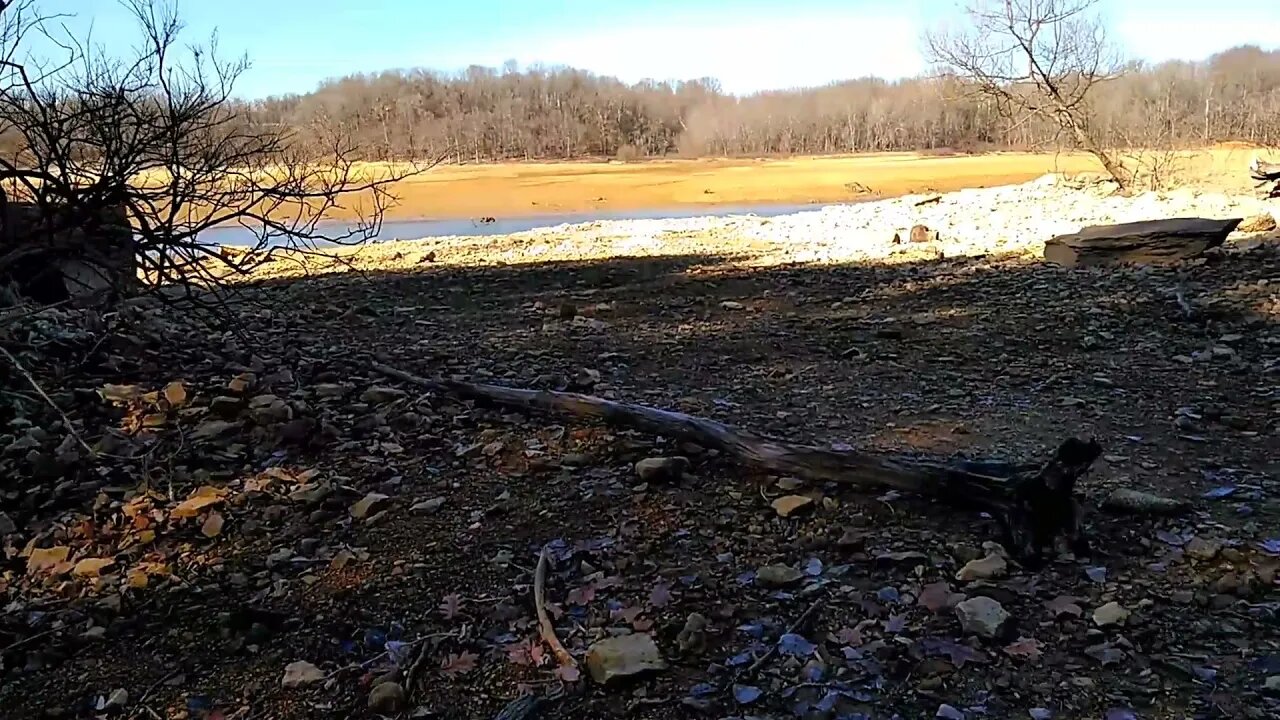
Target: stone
[(1271, 685), (1125, 500), (1263, 222), (732, 305), (789, 505), (366, 505), (380, 395), (988, 568), (117, 699), (1148, 242), (7, 525), (1113, 613), (301, 673), (387, 698), (1202, 549), (982, 616), (225, 406), (662, 469), (211, 429), (778, 576), (623, 656), (692, 639), (329, 390), (428, 507), (922, 234)]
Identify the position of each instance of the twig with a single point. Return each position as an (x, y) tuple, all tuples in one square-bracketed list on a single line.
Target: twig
[(66, 420), (30, 638), (796, 626), (546, 630)]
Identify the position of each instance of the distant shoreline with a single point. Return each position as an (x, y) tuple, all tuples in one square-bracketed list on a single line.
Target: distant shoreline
[(472, 191)]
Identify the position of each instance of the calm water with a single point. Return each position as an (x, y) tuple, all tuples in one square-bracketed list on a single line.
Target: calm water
[(413, 229)]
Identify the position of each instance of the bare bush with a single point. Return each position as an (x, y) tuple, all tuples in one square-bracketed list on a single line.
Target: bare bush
[(156, 135)]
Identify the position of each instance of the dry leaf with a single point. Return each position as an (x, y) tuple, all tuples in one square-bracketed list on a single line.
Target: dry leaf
[(212, 524), (458, 664), (138, 579), (202, 498), (568, 673), (47, 559), (938, 596), (175, 393), (91, 567), (451, 606), (1024, 647), (119, 394)]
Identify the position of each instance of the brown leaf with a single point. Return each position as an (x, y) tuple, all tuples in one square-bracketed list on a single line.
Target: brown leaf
[(1024, 647), (660, 596), (203, 497), (212, 525), (1064, 605), (47, 559), (459, 664), (849, 636), (91, 567), (175, 393), (581, 596), (519, 653), (938, 596)]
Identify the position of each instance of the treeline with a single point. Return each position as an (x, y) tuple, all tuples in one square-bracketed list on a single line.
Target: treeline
[(539, 113)]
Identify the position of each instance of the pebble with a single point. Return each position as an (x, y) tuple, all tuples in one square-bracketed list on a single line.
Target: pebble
[(225, 406), (662, 469), (1113, 613), (789, 505), (1202, 549), (778, 575), (988, 568), (379, 395), (366, 505), (117, 699), (692, 639), (428, 507), (982, 616), (1272, 685), (623, 656), (387, 698), (7, 525)]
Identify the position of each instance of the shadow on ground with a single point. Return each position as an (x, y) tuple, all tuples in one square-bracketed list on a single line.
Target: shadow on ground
[(1172, 370)]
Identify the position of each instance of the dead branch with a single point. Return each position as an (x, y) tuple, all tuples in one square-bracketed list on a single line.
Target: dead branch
[(800, 624), (547, 630), (66, 420), (1034, 502)]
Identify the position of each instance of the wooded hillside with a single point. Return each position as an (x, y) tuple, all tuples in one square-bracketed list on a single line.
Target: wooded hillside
[(544, 113)]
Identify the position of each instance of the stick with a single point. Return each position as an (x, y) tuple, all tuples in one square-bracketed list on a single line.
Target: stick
[(799, 624), (545, 629), (66, 420), (1033, 502)]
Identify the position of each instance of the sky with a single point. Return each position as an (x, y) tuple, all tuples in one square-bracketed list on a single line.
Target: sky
[(749, 45)]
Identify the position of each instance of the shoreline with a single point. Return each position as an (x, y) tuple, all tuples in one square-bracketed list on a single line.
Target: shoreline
[(1007, 220)]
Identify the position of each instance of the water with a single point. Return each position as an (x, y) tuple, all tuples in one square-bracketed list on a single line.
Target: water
[(414, 229)]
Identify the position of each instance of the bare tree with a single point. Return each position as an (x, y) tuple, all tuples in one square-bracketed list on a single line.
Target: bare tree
[(154, 139), (1036, 58)]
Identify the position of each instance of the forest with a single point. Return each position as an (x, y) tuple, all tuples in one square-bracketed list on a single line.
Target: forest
[(539, 113)]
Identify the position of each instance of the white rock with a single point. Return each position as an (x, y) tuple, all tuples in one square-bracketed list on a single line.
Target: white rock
[(1113, 613), (623, 656), (982, 616), (301, 673), (987, 568)]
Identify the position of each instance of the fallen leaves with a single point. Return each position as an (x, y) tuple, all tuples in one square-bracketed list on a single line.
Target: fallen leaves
[(91, 567), (212, 526), (204, 496), (451, 606), (458, 664), (43, 560)]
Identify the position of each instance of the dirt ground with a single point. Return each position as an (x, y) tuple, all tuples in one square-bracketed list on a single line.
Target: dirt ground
[(522, 189), (285, 503)]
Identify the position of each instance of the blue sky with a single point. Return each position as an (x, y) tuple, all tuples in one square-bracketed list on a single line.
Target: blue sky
[(749, 45)]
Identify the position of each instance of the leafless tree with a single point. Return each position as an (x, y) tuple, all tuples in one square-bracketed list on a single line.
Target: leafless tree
[(1036, 58), (155, 135)]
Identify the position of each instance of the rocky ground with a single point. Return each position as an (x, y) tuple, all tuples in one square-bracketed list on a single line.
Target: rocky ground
[(245, 520)]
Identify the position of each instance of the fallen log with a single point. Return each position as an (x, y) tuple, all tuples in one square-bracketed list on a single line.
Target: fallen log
[(1148, 242), (1033, 502)]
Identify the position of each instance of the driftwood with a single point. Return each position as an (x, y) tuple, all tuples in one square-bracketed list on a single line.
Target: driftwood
[(1149, 242), (1264, 173), (1034, 503)]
